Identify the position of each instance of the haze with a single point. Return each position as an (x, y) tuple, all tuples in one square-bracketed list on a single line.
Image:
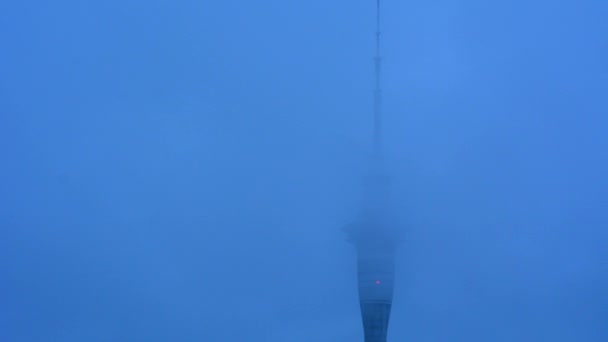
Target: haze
[(181, 170)]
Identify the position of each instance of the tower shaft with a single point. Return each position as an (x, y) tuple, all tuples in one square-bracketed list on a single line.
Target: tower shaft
[(375, 268)]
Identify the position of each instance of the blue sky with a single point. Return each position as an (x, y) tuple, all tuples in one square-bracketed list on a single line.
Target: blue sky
[(180, 170)]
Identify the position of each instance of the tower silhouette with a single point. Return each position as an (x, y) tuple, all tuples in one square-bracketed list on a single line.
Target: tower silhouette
[(372, 233)]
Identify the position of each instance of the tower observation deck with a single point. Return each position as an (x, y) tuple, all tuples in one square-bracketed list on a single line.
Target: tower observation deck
[(372, 233)]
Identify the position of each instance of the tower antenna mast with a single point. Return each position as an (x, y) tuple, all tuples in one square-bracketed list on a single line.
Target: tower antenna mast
[(377, 135)]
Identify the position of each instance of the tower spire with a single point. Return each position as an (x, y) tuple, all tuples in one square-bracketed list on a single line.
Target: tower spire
[(377, 138)]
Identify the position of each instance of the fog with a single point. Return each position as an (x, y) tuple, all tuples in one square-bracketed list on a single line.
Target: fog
[(181, 170)]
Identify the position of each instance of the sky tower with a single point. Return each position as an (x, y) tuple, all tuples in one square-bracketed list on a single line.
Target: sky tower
[(372, 232)]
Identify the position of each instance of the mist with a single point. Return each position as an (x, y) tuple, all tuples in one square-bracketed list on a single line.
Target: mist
[(182, 170)]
